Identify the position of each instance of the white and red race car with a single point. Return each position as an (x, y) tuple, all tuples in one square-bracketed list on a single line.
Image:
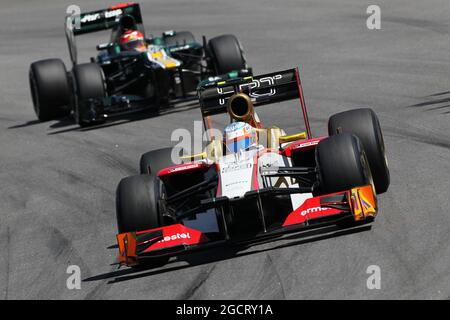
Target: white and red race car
[(276, 184)]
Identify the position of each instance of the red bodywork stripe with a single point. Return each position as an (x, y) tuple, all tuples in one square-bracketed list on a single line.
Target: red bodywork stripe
[(255, 184), (310, 209), (122, 5), (302, 145), (182, 168), (176, 235)]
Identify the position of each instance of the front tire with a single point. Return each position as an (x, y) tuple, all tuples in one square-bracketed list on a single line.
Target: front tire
[(137, 204), (342, 164), (137, 209), (365, 125), (50, 89)]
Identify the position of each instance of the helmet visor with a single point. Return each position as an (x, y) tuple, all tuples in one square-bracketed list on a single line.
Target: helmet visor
[(235, 145), (138, 45)]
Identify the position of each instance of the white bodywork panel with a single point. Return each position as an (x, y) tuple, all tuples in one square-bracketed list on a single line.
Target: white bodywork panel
[(236, 173), (236, 176)]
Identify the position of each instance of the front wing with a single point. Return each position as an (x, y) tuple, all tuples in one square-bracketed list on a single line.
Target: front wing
[(357, 204), (99, 110)]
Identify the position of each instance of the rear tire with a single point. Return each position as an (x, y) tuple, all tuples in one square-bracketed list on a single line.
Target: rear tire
[(153, 161), (365, 125), (342, 164), (50, 89), (89, 83), (227, 54)]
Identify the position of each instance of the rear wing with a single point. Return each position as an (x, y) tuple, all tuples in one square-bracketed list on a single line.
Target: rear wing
[(263, 89), (93, 21)]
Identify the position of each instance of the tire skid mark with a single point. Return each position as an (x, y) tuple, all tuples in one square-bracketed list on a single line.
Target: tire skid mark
[(430, 139), (67, 198), (74, 178), (198, 282), (98, 151), (52, 248), (430, 25), (62, 250), (113, 162), (273, 267)]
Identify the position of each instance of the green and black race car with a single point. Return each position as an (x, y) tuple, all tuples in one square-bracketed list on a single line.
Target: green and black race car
[(131, 72)]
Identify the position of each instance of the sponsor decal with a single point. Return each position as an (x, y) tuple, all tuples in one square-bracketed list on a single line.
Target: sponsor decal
[(178, 234), (253, 87), (176, 169), (234, 126), (309, 210), (176, 237), (306, 144), (234, 183), (91, 17), (113, 13), (313, 210), (236, 167), (255, 84)]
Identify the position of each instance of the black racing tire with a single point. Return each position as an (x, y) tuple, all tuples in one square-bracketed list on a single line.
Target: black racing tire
[(137, 204), (365, 125), (179, 38), (341, 163), (89, 83), (153, 161), (137, 210), (50, 89), (227, 54)]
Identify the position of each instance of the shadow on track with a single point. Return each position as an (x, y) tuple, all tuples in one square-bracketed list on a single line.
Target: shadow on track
[(26, 124), (433, 104), (119, 120), (225, 253)]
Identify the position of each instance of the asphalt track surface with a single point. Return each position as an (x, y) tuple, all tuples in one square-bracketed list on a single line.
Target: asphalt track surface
[(58, 183)]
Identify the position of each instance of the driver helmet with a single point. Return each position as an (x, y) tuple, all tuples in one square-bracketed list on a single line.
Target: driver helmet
[(132, 40), (239, 136)]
